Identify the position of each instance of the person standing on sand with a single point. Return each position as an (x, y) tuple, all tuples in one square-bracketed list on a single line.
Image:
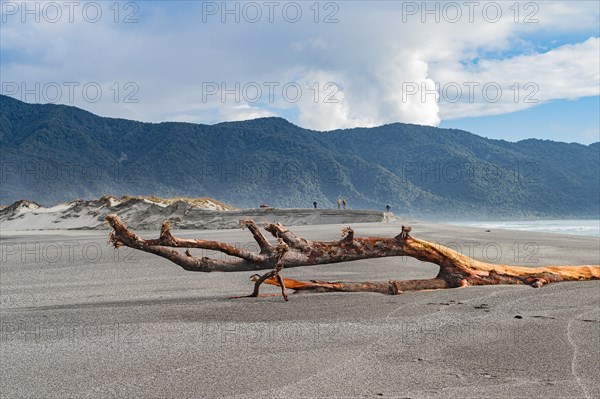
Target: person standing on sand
[(339, 203), (344, 203), (315, 204), (387, 208)]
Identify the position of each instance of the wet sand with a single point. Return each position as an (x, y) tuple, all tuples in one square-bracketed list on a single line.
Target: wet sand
[(81, 320)]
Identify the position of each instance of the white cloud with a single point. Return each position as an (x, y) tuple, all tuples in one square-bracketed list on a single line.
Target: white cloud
[(324, 106), (243, 112), (398, 81), (566, 72), (374, 54)]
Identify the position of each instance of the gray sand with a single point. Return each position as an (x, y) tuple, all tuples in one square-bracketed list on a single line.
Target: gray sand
[(80, 320)]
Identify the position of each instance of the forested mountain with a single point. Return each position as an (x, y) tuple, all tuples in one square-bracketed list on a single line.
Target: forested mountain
[(52, 153)]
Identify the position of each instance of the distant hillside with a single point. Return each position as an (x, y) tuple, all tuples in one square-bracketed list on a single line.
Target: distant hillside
[(53, 153)]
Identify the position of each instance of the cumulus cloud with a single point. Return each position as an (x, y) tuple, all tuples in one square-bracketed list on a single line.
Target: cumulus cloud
[(320, 101), (375, 55), (409, 95), (500, 86)]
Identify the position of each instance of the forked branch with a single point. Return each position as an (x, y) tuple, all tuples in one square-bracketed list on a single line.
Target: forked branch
[(456, 269)]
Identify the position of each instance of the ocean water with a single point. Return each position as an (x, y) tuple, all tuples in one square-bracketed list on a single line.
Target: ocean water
[(588, 227)]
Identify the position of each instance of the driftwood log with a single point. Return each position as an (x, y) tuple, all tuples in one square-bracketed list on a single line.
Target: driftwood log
[(456, 269)]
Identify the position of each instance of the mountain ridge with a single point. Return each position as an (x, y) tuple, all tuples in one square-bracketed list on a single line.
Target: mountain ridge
[(53, 153)]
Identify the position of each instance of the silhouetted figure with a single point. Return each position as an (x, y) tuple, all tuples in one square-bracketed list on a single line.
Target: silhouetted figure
[(387, 208), (344, 203), (315, 204)]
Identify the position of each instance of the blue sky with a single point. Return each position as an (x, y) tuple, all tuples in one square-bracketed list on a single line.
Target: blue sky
[(564, 120), (531, 70)]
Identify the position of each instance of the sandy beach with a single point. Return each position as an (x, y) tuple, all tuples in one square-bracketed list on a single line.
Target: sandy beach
[(81, 320)]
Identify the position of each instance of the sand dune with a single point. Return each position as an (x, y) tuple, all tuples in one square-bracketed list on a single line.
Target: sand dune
[(184, 213)]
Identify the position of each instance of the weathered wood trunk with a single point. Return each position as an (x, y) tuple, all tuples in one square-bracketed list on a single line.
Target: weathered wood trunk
[(456, 269)]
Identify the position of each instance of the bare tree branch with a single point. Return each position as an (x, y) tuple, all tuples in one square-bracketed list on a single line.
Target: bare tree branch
[(456, 269)]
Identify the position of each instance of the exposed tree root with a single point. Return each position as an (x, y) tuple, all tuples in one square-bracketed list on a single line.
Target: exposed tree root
[(456, 269)]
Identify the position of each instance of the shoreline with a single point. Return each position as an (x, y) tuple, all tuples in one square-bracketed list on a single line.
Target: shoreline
[(579, 227), (390, 221)]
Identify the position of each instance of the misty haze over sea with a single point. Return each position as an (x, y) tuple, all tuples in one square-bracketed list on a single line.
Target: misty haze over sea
[(585, 227)]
